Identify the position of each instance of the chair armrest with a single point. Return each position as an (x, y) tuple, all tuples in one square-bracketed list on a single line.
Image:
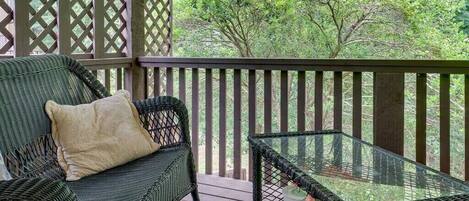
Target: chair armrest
[(35, 189), (166, 120)]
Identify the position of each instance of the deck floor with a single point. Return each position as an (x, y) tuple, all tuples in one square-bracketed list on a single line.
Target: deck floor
[(215, 188)]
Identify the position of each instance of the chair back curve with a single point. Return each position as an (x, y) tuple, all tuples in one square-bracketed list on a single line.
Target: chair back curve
[(27, 83)]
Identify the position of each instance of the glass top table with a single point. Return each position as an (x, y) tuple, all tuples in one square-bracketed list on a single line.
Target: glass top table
[(331, 165)]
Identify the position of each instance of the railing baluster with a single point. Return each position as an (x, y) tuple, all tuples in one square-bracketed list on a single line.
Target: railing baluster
[(237, 124), (156, 81), (301, 108), (357, 105), (107, 79), (222, 122), (284, 108), (284, 117), (338, 101), (268, 118), (267, 101), (252, 112), (195, 116), (169, 81), (337, 117), (301, 115), (357, 121), (421, 119), (444, 124), (208, 121), (318, 93), (466, 126), (182, 84), (119, 79)]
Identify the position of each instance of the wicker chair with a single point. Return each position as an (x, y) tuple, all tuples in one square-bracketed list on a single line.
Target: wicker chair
[(30, 154)]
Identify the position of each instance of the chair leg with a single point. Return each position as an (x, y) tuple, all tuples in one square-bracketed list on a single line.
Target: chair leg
[(195, 195)]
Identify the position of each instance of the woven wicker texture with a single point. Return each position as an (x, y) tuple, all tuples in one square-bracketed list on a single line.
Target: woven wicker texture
[(142, 179), (27, 83), (30, 154)]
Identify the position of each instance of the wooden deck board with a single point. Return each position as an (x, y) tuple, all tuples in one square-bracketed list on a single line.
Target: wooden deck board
[(217, 188)]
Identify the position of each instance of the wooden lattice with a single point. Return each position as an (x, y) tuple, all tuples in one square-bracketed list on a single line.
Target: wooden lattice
[(158, 27), (6, 24), (82, 23), (115, 26), (43, 21)]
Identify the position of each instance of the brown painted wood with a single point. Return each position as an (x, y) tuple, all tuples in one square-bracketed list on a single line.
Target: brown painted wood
[(284, 101), (22, 28), (252, 113), (338, 100), (98, 28), (421, 119), (444, 123), (338, 116), (284, 116), (301, 115), (182, 84), (136, 80), (267, 101), (195, 117), (65, 29), (208, 121), (237, 124), (99, 63), (357, 105), (222, 189), (222, 125), (349, 65), (301, 102), (119, 78), (107, 79), (156, 82), (389, 111), (169, 81), (466, 126), (318, 96)]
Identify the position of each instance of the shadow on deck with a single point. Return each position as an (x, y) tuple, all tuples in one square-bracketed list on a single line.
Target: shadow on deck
[(215, 188)]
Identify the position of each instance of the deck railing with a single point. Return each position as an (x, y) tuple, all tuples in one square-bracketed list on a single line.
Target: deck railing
[(262, 71)]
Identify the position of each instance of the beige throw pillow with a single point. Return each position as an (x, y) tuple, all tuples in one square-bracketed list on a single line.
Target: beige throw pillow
[(94, 137)]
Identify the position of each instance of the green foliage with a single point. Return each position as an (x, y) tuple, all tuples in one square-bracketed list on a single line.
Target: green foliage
[(463, 17), (392, 29)]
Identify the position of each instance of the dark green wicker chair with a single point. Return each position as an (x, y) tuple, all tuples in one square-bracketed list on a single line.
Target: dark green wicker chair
[(29, 152)]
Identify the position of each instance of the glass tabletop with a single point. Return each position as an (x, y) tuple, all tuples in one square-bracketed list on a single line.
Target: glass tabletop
[(356, 170)]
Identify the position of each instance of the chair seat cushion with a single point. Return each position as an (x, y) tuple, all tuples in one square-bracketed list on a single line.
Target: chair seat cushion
[(143, 179)]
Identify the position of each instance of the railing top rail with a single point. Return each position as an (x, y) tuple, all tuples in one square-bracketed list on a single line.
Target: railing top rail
[(352, 65)]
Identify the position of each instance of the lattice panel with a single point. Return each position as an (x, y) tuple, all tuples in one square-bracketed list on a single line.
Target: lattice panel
[(6, 27), (115, 26), (158, 27), (44, 29), (82, 26)]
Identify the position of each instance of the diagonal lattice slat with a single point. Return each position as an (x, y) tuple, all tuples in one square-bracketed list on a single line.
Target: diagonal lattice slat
[(158, 27), (115, 26), (43, 20), (6, 24), (82, 26)]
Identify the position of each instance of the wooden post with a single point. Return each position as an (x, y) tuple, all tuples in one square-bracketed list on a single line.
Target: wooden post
[(389, 111), (64, 27), (22, 28), (135, 76)]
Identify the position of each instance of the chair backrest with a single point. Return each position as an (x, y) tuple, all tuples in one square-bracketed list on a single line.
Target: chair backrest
[(25, 86)]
